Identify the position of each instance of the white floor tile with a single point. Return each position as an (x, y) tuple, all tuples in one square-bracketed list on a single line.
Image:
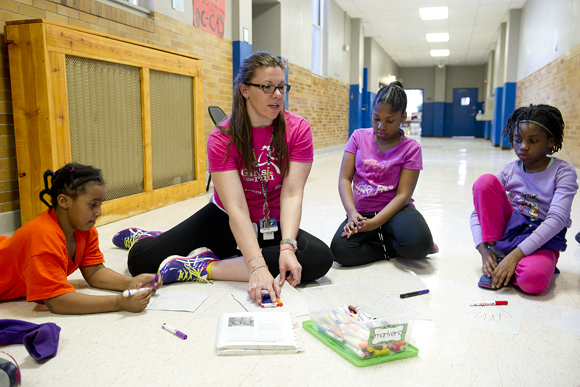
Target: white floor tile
[(125, 349)]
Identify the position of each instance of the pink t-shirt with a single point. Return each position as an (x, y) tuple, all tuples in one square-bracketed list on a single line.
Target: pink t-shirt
[(376, 176), (300, 149)]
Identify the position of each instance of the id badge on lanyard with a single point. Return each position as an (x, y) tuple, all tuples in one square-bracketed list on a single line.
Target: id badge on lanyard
[(267, 225)]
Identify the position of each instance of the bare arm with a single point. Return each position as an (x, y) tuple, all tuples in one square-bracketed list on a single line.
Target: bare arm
[(229, 187), (78, 303), (347, 169), (290, 214), (102, 277)]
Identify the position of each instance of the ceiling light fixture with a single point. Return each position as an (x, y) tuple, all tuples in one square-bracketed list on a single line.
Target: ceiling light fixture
[(439, 37), (439, 52), (434, 13)]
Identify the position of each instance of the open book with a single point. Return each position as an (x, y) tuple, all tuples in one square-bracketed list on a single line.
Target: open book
[(250, 333)]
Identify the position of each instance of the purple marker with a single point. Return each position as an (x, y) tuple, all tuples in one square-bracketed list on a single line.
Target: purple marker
[(413, 294), (154, 280), (174, 331)]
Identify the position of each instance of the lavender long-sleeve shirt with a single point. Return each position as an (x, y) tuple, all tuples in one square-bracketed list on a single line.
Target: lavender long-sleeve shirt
[(545, 195)]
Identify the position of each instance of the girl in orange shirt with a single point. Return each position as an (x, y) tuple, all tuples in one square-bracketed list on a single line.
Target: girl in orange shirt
[(39, 257)]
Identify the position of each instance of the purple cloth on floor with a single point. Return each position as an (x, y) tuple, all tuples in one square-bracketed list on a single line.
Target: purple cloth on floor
[(519, 227), (41, 341)]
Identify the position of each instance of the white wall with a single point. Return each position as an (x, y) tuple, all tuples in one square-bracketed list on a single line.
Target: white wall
[(338, 36), (464, 76), (266, 23), (499, 59), (357, 44), (379, 63), (241, 17), (539, 22), (296, 34)]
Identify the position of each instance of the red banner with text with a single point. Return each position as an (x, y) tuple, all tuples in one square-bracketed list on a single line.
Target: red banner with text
[(209, 15)]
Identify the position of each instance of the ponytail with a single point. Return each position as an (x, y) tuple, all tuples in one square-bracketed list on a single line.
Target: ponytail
[(68, 180)]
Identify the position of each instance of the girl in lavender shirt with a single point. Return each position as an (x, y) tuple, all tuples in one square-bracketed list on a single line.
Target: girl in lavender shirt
[(378, 175), (519, 233)]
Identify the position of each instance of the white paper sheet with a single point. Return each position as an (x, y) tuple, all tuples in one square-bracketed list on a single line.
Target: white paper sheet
[(177, 301), (507, 319), (293, 300), (569, 324)]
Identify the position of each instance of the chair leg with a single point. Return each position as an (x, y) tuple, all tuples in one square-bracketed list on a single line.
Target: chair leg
[(208, 183)]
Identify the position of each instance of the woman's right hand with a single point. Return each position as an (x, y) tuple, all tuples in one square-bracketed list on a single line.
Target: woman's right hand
[(261, 279), (488, 258)]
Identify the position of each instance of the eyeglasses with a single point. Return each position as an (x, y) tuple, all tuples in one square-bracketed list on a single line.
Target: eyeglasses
[(270, 89)]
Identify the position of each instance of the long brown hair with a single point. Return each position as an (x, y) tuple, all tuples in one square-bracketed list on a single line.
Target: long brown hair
[(239, 127)]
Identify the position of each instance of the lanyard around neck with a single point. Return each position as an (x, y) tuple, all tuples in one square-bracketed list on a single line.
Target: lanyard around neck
[(265, 209)]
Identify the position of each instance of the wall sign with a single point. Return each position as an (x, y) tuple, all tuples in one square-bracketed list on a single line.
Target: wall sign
[(209, 15), (178, 5)]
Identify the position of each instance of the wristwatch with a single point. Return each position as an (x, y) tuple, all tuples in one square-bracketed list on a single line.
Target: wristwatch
[(289, 242)]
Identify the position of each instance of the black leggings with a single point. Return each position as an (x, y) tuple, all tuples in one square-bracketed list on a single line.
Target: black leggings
[(406, 235), (209, 227)]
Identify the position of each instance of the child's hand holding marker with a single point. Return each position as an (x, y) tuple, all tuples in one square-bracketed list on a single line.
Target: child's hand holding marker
[(145, 280), (137, 299)]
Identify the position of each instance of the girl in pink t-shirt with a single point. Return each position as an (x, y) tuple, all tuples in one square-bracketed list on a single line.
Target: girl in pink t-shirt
[(259, 161), (378, 175)]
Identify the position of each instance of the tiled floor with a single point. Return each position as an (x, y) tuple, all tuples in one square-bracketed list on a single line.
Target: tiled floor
[(126, 349)]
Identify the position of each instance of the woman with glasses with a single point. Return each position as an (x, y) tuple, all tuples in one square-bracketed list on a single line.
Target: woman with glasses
[(259, 159)]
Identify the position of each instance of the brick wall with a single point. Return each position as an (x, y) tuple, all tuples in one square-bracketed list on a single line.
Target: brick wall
[(157, 30), (558, 84), (323, 102)]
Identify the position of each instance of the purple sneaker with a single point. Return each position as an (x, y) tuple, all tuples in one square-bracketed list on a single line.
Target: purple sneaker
[(176, 268), (126, 238), (485, 282)]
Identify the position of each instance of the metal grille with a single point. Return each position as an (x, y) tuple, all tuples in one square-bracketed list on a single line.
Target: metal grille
[(104, 101), (172, 139)]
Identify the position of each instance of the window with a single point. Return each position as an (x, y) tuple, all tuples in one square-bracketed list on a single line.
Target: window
[(317, 36), (465, 101), (140, 7)]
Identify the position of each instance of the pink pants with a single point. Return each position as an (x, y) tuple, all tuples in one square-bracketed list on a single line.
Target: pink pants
[(535, 271)]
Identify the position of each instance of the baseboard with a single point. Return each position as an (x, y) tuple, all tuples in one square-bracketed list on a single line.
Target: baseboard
[(328, 149), (9, 222)]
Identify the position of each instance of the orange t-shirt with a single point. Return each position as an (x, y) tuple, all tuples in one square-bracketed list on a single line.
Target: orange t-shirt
[(35, 262)]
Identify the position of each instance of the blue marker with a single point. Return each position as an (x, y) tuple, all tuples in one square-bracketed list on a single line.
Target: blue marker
[(413, 294)]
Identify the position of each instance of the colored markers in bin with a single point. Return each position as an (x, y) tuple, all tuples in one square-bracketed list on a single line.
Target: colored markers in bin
[(351, 328)]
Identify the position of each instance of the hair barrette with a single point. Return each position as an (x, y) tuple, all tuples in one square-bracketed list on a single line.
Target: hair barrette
[(71, 170)]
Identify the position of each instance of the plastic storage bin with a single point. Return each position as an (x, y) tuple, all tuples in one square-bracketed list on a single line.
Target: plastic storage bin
[(384, 333)]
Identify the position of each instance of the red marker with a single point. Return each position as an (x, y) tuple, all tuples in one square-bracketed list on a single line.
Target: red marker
[(487, 303)]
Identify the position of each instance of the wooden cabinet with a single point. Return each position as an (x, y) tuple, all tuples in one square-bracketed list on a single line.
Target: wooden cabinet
[(133, 110)]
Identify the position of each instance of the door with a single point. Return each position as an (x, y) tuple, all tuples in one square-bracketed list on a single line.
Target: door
[(464, 111)]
